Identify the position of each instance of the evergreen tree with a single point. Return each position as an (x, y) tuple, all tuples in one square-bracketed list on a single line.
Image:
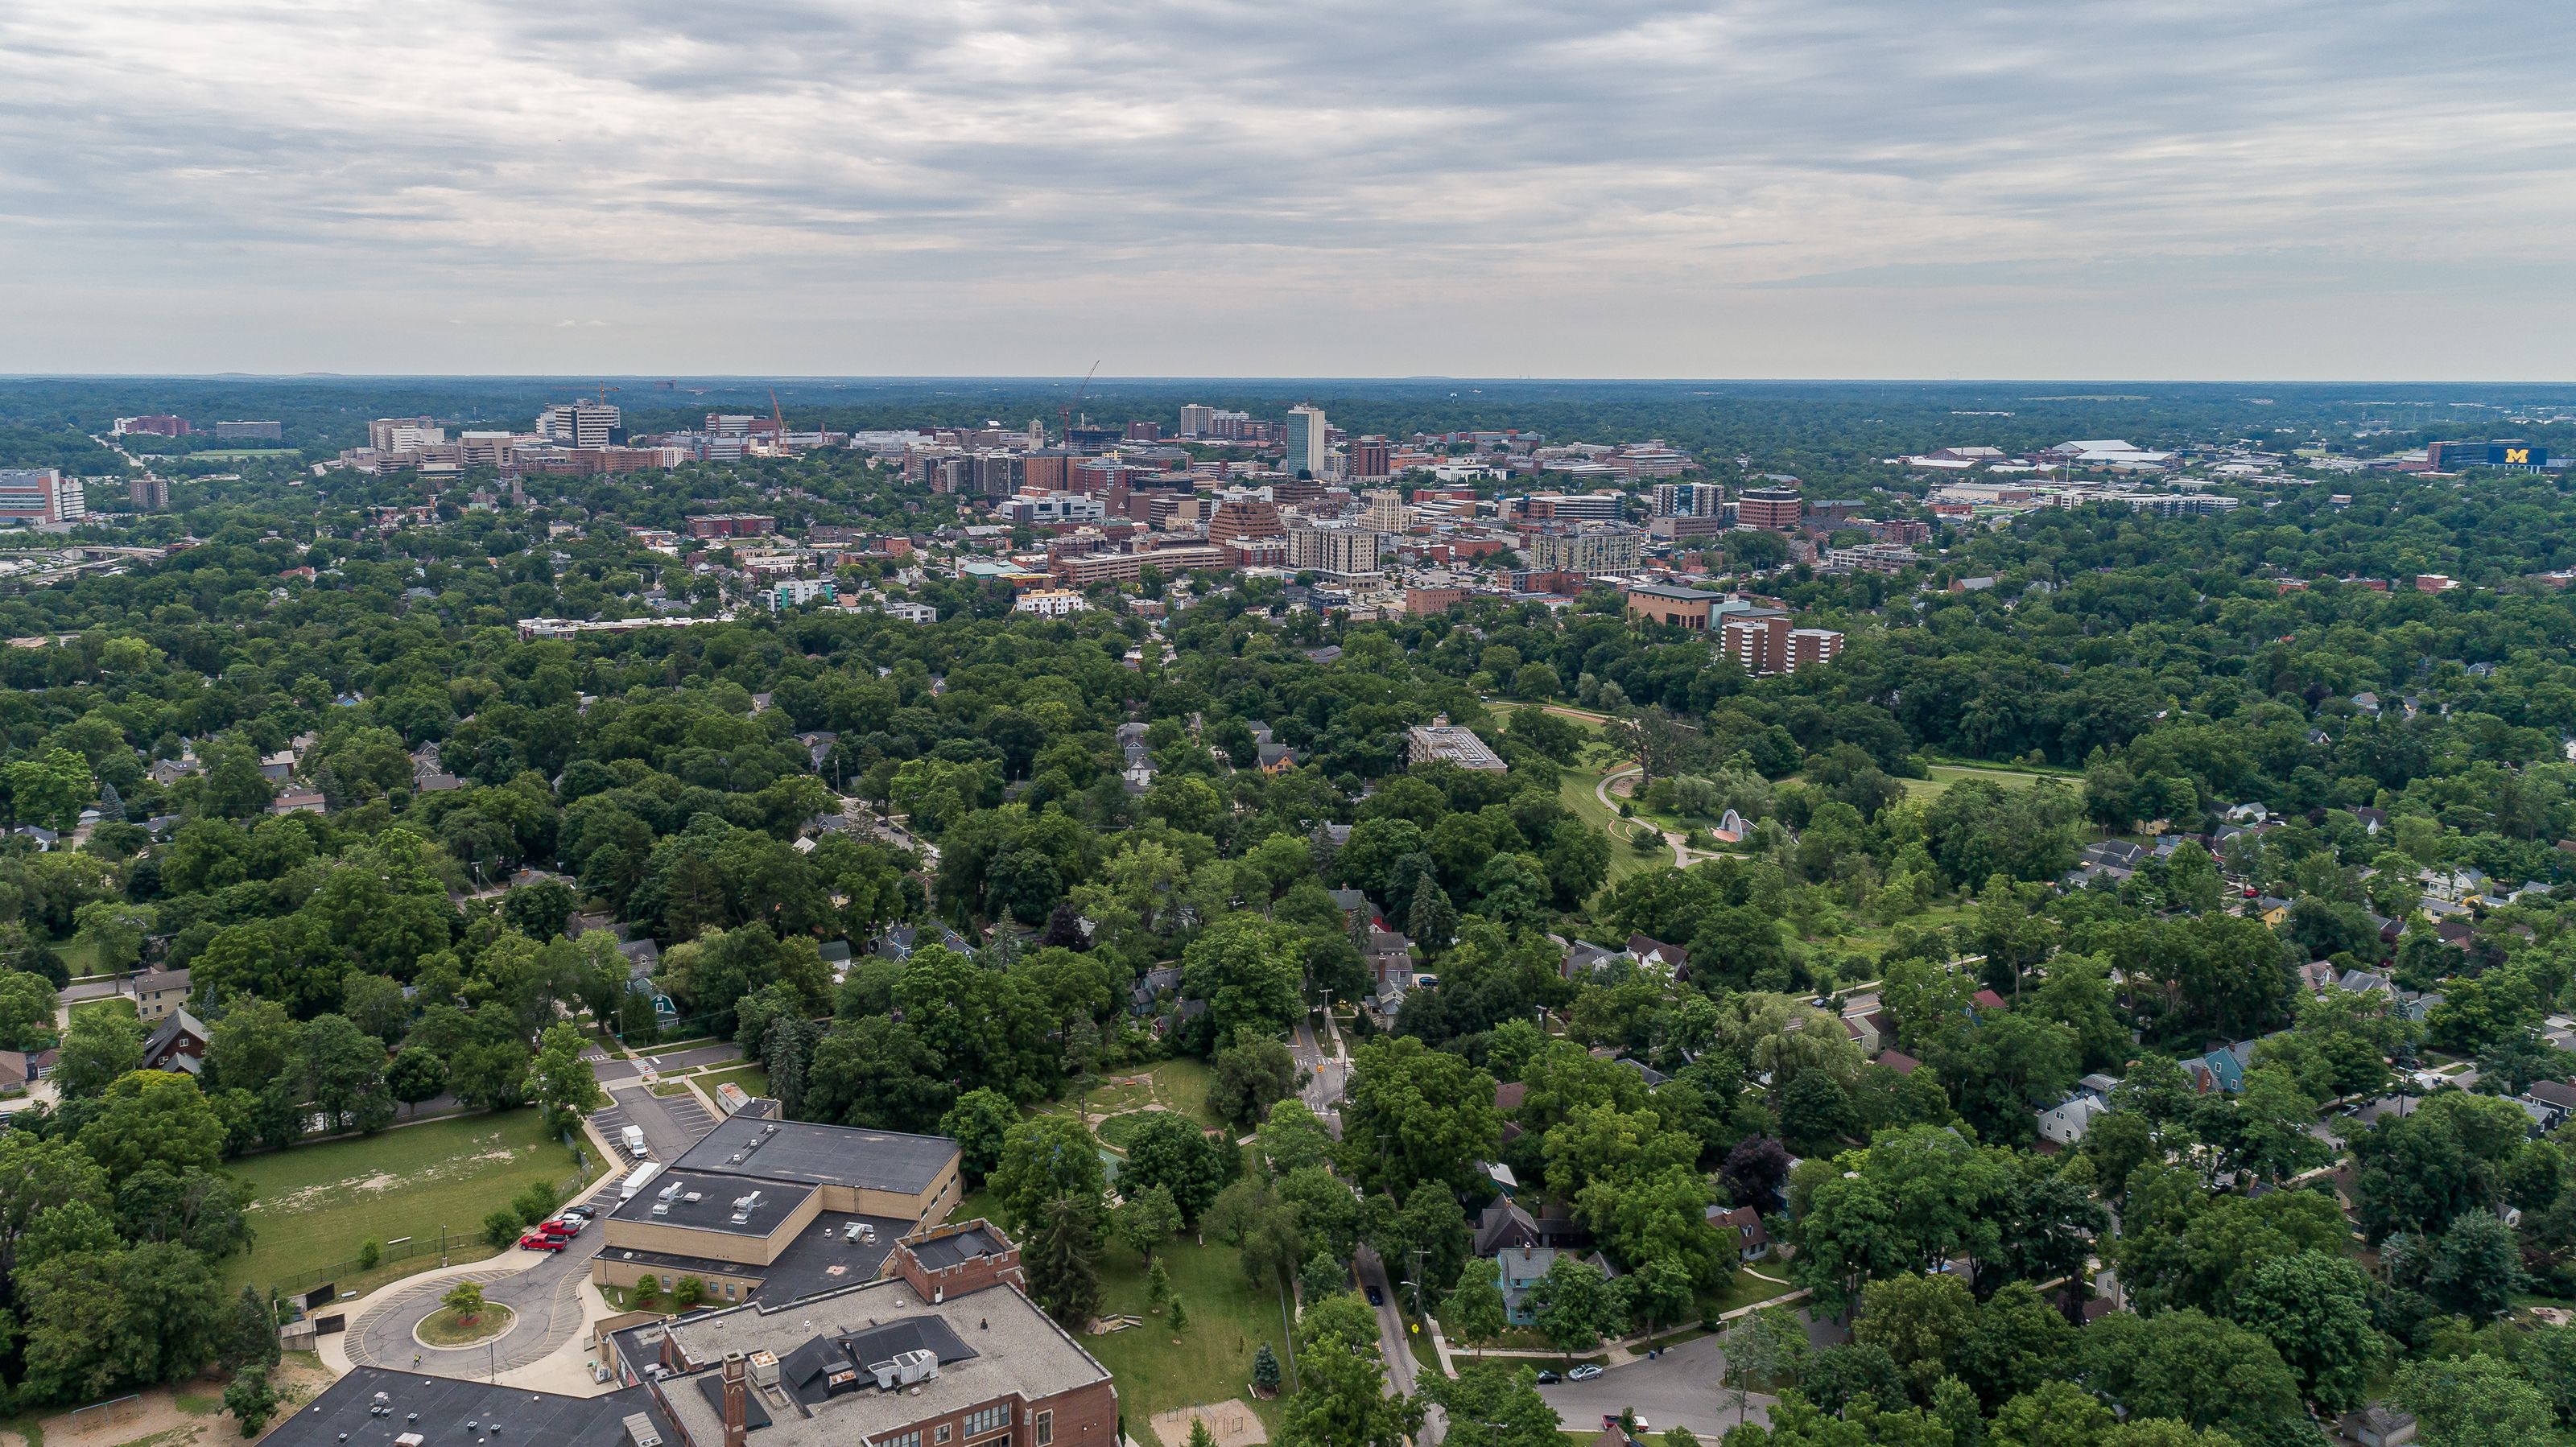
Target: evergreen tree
[(1064, 1275), (1265, 1370)]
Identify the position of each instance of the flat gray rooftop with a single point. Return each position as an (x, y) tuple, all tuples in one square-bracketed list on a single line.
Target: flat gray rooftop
[(719, 1200), (822, 1155)]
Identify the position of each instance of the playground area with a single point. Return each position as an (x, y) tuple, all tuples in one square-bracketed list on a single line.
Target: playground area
[(1230, 1422)]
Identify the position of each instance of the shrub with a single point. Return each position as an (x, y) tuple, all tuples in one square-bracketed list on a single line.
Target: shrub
[(251, 1401), (535, 1202), (502, 1227), (687, 1292), (371, 1254)]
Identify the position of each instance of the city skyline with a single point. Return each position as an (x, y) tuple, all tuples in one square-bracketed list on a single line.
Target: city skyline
[(1744, 190)]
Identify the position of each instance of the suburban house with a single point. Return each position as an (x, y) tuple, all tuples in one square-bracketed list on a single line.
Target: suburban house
[(22, 1068), (158, 992), (177, 1044), (1752, 1238)]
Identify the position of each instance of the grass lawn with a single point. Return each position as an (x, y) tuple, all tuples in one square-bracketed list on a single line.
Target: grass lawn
[(80, 956), (113, 1004), (312, 1206), (1574, 790), (1116, 1131), (1944, 775), (1229, 1320), (1872, 940), (754, 1080), (1182, 1086), (1746, 1289)]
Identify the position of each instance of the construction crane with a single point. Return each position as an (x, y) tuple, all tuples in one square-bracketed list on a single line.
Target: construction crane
[(1064, 414), (777, 419), (604, 390)]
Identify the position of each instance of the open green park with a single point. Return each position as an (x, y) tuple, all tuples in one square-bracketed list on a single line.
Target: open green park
[(315, 1206)]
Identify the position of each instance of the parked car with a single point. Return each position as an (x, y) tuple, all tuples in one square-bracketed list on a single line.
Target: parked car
[(562, 1227), (1549, 1379), (581, 1212), (1583, 1373), (539, 1241), (1376, 1297)]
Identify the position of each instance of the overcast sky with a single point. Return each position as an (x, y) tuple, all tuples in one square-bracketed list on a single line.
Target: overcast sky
[(1741, 188)]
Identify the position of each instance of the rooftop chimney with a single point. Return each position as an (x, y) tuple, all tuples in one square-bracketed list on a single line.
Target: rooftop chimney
[(737, 1390)]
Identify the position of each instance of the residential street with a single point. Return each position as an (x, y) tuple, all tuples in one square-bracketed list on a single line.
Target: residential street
[(1402, 1371)]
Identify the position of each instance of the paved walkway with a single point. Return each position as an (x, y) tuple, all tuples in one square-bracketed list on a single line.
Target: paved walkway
[(1683, 855), (543, 1288)]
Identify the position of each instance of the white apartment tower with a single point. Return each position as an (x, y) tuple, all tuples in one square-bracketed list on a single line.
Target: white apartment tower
[(1197, 419)]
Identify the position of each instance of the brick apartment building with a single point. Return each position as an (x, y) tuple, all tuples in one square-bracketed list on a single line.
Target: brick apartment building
[(1773, 509), (1764, 643), (731, 525)]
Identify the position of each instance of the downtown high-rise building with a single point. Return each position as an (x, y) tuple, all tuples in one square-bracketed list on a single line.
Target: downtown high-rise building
[(580, 424), (1306, 435)]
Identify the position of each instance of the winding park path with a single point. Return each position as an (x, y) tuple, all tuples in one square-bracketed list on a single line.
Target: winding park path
[(1683, 855)]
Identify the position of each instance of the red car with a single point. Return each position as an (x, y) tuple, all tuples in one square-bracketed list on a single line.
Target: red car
[(562, 1228), (539, 1241)]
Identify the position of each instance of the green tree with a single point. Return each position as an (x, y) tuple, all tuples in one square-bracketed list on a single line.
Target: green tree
[(1265, 1371), (1662, 1292), (1475, 1312), (153, 1118), (561, 1081), (1064, 1273), (50, 790), (1341, 1398), (1248, 968), (2315, 1310), (1920, 1322), (2475, 1401), (465, 1298), (1169, 1150), (344, 1073), (27, 1006), (115, 930), (1575, 1306), (1496, 1407), (2198, 1370), (1046, 1159), (1146, 1221), (100, 1048), (1412, 1114), (251, 1400), (979, 1122), (1252, 1075), (416, 1075)]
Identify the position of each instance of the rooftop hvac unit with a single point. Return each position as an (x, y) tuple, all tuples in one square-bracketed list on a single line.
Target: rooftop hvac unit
[(770, 1129), (663, 1208), (916, 1366), (693, 1196), (850, 1232), (764, 1368), (410, 1439), (640, 1431), (671, 1190)]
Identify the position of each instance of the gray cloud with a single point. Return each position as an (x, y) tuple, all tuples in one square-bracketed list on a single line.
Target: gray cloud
[(1742, 188)]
